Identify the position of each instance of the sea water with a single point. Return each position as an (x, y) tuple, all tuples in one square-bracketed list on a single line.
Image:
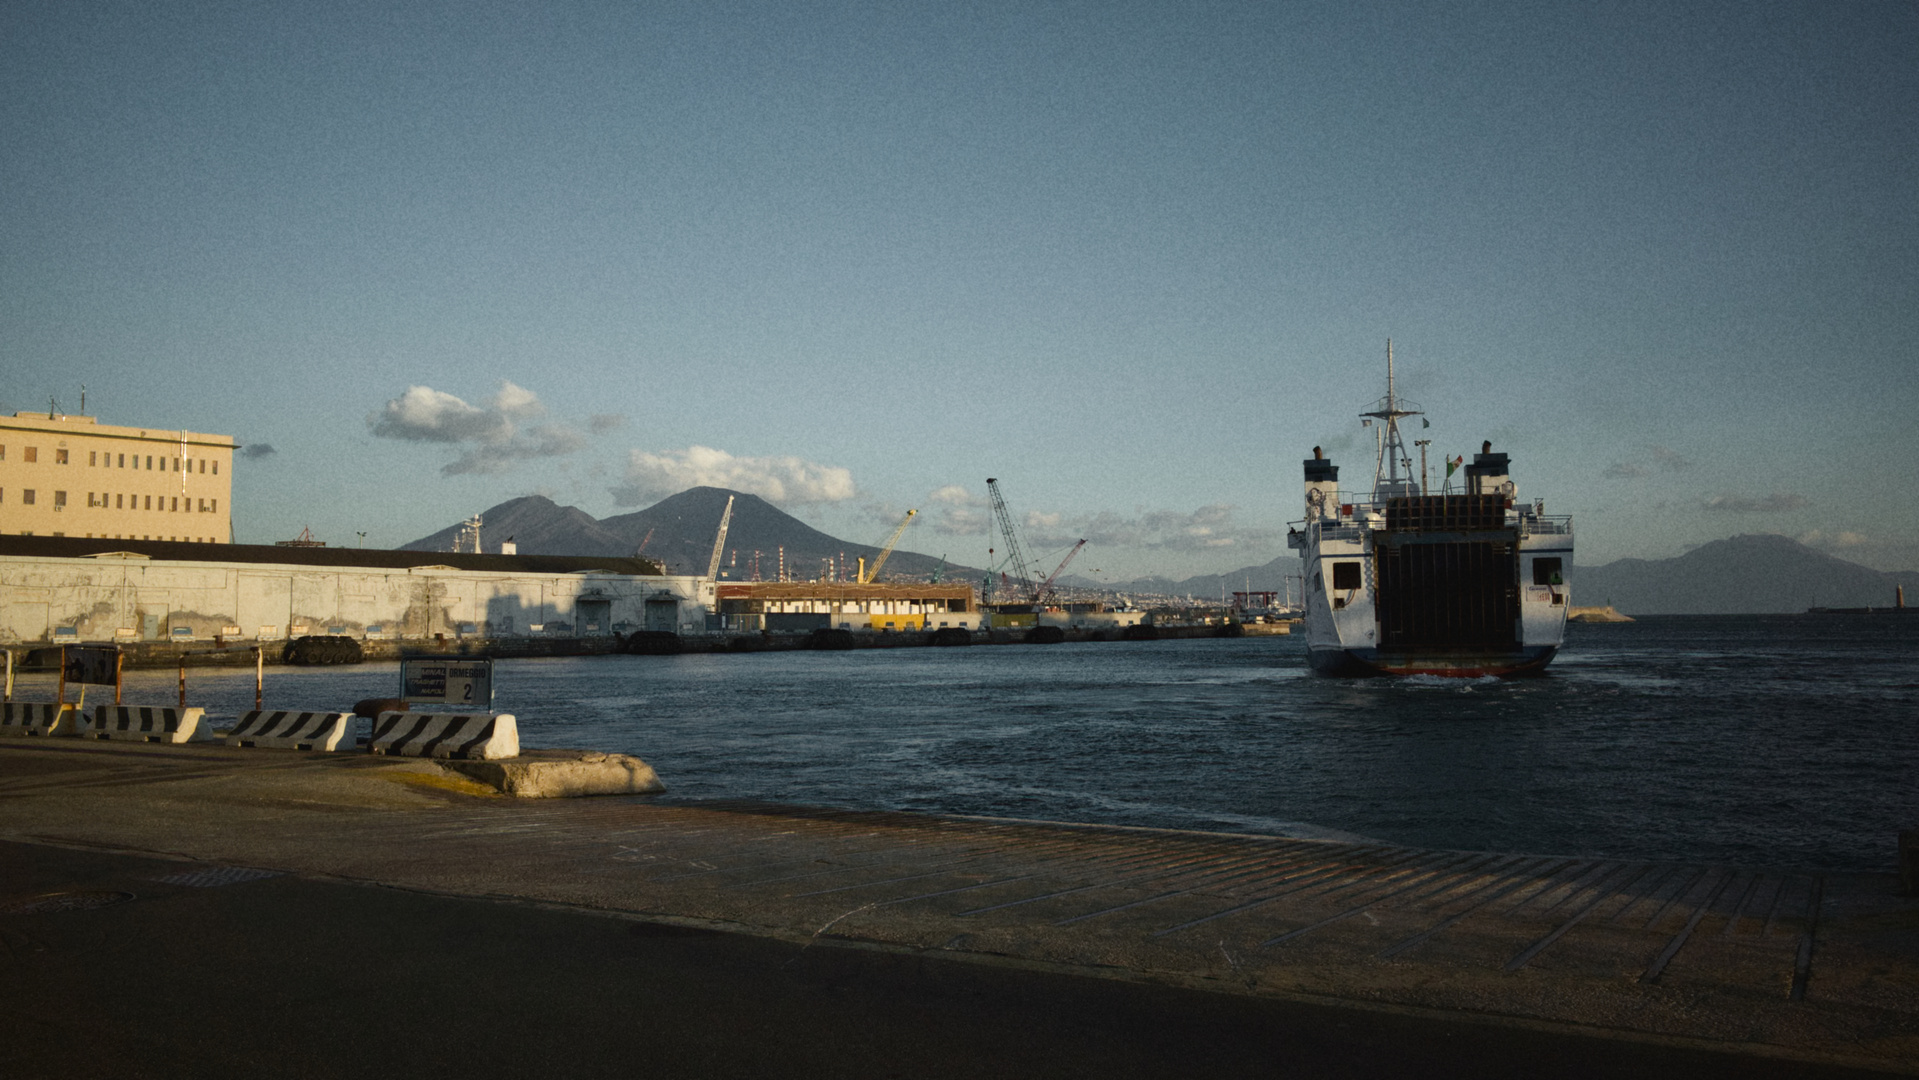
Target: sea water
[(1763, 740)]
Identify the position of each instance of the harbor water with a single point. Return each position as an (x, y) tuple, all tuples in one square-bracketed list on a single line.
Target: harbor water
[(1787, 741)]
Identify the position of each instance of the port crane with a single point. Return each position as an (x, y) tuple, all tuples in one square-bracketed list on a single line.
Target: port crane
[(1022, 577), (867, 577), (1015, 558), (719, 541), (1046, 587)]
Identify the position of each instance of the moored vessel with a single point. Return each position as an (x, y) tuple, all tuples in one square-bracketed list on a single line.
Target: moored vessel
[(1402, 580)]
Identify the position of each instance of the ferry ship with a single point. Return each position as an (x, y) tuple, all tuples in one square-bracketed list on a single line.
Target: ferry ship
[(1403, 580)]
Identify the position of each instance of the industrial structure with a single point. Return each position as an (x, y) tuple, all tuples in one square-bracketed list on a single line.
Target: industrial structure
[(73, 476), (751, 606), (75, 589)]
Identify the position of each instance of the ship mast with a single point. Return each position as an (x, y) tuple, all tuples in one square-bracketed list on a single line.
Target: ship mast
[(1392, 450)]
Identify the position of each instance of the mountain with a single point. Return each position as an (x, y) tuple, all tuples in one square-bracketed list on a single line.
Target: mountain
[(1740, 576), (1265, 577), (678, 531), (539, 526), (1743, 575)]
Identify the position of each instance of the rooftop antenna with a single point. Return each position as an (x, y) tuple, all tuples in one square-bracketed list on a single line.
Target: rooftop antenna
[(1392, 449), (83, 399)]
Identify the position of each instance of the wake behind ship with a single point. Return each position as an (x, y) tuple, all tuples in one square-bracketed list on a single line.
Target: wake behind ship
[(1404, 581)]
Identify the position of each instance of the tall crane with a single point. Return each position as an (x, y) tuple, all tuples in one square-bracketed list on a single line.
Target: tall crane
[(719, 541), (1015, 559), (1046, 586), (872, 575)]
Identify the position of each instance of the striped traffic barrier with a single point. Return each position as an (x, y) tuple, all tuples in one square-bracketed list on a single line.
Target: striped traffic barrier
[(38, 718), (145, 723), (287, 730), (469, 736)]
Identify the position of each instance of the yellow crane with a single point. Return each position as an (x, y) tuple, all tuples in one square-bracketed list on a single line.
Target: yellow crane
[(867, 577)]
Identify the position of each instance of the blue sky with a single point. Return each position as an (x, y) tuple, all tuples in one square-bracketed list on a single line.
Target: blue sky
[(1133, 260)]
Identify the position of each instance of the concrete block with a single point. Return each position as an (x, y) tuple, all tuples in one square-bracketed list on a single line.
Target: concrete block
[(145, 723), (466, 736), (563, 774), (38, 718), (286, 730)]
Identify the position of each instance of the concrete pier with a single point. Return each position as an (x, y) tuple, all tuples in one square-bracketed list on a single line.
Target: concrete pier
[(1673, 968)]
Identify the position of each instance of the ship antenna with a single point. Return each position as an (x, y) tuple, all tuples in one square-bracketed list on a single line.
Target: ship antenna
[(1386, 479)]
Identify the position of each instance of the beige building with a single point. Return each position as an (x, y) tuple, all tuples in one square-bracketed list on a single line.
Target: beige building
[(72, 476)]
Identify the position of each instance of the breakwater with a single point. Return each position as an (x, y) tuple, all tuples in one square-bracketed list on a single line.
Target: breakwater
[(149, 655)]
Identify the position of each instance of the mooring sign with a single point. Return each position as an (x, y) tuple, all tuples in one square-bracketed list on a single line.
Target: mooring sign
[(467, 683)]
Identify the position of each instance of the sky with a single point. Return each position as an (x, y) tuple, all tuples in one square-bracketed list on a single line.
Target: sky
[(1133, 260)]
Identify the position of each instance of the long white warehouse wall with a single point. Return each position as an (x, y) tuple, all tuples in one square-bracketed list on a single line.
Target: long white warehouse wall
[(109, 598)]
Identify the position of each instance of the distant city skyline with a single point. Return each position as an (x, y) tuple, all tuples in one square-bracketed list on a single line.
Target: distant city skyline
[(1133, 260)]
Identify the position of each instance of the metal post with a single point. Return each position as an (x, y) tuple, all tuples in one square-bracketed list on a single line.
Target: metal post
[(259, 677), (61, 696), (183, 680), (9, 690), (119, 666)]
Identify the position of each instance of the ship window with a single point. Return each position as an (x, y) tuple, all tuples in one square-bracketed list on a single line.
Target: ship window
[(1345, 575), (1547, 572)]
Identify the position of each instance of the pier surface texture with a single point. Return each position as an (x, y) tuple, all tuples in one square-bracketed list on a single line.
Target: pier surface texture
[(213, 910)]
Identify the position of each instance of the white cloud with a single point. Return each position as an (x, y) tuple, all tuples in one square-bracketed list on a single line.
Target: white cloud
[(493, 440), (1777, 502), (783, 481), (1669, 459), (1819, 538)]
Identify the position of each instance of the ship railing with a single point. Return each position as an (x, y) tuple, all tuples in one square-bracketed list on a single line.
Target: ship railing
[(1545, 525)]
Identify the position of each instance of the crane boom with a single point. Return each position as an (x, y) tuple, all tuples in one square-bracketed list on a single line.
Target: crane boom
[(719, 541), (1015, 558), (873, 574), (1046, 587)]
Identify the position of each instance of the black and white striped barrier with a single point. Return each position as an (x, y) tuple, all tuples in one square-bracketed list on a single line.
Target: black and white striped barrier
[(467, 736), (294, 730), (37, 718), (145, 723)]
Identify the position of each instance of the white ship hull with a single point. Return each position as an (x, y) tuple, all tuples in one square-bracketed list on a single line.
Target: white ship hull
[(1402, 581)]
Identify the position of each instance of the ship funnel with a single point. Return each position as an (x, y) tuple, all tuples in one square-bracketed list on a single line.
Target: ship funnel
[(1489, 474), (1322, 487)]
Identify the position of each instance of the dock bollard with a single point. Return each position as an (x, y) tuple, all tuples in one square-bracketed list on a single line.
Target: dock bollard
[(1909, 862)]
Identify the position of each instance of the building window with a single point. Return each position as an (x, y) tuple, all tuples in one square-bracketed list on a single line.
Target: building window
[(119, 502), (59, 500), (216, 465), (93, 457), (26, 496), (176, 504), (59, 456), (149, 501), (30, 455), (3, 453), (123, 464), (216, 506)]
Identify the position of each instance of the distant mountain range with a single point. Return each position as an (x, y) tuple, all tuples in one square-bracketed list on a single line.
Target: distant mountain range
[(1741, 575), (1744, 575), (678, 532)]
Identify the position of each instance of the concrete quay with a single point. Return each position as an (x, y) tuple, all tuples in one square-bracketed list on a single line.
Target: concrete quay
[(885, 943)]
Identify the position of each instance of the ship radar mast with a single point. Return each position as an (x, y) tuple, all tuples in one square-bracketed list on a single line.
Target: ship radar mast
[(1387, 480)]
